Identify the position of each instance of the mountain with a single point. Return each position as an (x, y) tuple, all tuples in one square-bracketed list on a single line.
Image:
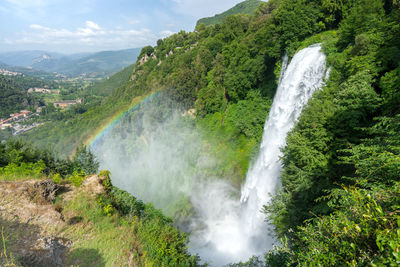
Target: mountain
[(247, 7), (27, 58), (100, 64)]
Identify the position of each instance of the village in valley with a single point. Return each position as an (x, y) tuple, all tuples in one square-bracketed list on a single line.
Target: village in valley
[(17, 122)]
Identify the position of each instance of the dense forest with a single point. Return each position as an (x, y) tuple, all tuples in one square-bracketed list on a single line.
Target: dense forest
[(339, 201)]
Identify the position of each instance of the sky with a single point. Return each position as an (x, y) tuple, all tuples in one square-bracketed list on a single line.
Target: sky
[(72, 26)]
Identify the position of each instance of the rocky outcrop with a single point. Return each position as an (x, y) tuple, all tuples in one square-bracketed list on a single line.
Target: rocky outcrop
[(47, 190), (146, 58), (30, 218)]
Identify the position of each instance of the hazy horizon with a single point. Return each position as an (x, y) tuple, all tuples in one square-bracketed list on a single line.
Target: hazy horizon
[(90, 26), (67, 53)]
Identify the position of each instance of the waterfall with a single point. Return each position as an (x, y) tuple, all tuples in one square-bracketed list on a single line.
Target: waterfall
[(237, 230), (159, 159), (302, 77)]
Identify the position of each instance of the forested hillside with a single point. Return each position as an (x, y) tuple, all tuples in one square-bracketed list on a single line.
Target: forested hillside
[(247, 7), (106, 87), (339, 202), (14, 96)]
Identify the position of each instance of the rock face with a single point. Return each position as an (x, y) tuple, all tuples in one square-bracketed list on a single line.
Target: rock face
[(93, 185)]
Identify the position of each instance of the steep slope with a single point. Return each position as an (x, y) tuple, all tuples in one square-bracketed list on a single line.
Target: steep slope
[(86, 227), (247, 7), (55, 212), (105, 88)]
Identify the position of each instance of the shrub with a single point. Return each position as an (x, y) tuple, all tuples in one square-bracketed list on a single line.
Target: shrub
[(77, 178)]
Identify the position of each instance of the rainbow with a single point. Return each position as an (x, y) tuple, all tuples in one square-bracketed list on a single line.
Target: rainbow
[(109, 124)]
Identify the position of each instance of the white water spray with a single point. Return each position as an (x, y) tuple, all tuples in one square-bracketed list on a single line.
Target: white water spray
[(235, 231)]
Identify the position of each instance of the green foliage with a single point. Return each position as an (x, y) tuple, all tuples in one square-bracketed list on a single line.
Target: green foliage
[(106, 205), (162, 243), (105, 87), (67, 129), (57, 179), (85, 160), (390, 84), (247, 7), (106, 175), (14, 97), (252, 262), (126, 203), (6, 258), (147, 50), (233, 136), (363, 230), (340, 196), (22, 170), (365, 16), (77, 178), (342, 159)]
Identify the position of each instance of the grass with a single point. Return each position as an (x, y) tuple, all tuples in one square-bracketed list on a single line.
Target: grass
[(17, 177), (6, 258), (99, 240)]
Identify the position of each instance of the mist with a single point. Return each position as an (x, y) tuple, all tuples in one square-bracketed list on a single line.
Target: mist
[(157, 154)]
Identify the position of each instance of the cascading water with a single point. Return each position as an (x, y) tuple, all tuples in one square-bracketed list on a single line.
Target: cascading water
[(162, 160), (299, 81), (235, 231)]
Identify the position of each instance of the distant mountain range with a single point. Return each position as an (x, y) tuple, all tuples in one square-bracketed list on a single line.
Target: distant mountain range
[(98, 64), (246, 7)]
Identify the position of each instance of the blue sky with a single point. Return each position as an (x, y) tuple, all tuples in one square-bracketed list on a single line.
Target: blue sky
[(70, 26)]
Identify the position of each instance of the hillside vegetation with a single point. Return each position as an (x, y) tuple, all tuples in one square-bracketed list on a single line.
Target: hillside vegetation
[(63, 215), (247, 7), (106, 87), (339, 202)]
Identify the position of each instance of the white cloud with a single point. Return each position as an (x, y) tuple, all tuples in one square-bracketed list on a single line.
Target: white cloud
[(38, 27), (92, 25), (90, 35)]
